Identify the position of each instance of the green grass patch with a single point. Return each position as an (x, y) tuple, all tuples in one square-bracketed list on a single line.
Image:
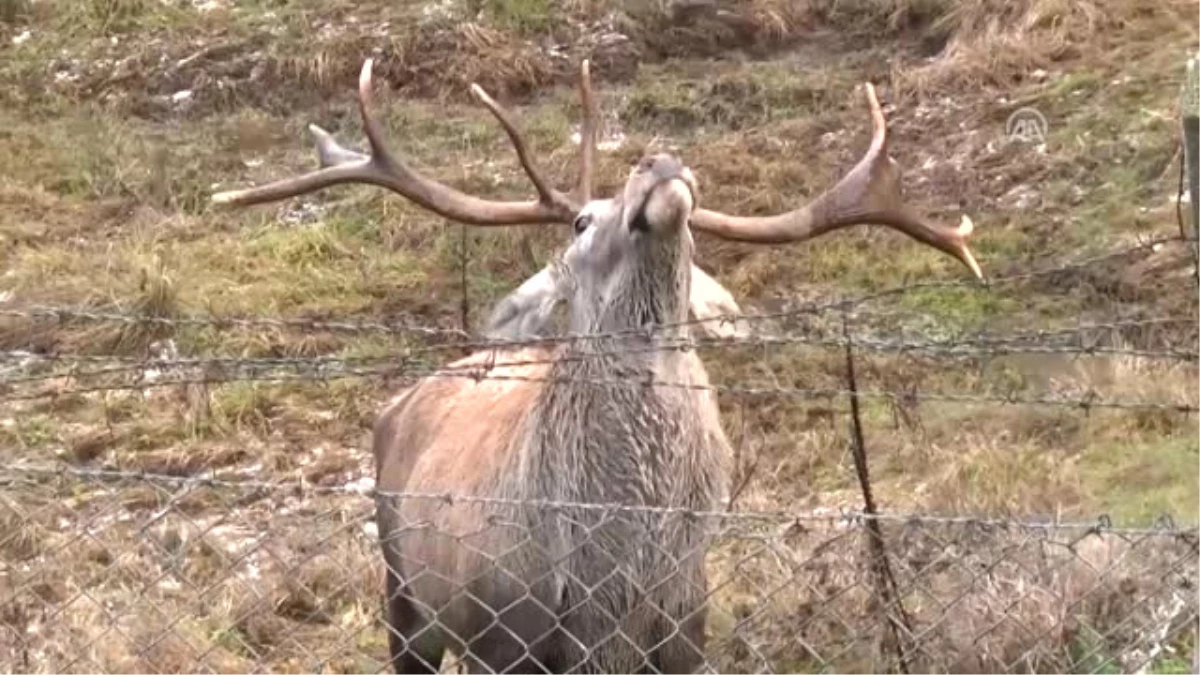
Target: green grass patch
[(1139, 480), (522, 16), (31, 433), (962, 309)]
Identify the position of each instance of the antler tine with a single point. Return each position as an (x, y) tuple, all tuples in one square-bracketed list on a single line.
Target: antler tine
[(330, 152), (587, 135), (582, 193), (869, 193), (340, 165), (547, 194)]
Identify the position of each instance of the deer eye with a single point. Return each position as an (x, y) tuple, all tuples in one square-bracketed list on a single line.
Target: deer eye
[(582, 223)]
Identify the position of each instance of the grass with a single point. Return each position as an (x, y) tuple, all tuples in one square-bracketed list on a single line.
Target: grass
[(104, 187)]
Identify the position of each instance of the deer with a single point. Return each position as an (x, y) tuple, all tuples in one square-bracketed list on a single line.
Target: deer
[(536, 518)]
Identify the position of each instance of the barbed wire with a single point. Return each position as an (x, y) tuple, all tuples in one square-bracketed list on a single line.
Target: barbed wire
[(10, 474), (1065, 341), (1091, 400), (1018, 342), (63, 314)]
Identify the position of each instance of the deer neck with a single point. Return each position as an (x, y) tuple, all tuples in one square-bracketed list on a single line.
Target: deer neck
[(599, 433), (647, 300)]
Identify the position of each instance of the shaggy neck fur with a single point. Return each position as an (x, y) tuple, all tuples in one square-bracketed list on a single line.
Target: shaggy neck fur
[(650, 290), (602, 434)]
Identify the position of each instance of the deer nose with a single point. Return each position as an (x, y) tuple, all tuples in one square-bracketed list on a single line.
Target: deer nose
[(664, 168), (662, 195)]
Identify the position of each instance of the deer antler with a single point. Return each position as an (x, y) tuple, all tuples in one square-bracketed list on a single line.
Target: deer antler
[(341, 165), (870, 193), (587, 136)]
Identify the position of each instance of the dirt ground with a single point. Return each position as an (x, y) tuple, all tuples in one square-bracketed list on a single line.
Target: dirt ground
[(120, 118)]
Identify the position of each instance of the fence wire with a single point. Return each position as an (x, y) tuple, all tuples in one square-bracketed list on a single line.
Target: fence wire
[(1082, 339), (509, 370), (22, 371), (70, 374), (116, 571), (63, 314)]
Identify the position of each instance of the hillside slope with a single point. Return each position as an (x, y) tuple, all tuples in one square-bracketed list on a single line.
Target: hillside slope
[(119, 119)]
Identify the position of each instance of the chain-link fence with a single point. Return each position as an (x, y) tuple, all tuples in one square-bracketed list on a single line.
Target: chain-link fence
[(110, 571), (173, 569)]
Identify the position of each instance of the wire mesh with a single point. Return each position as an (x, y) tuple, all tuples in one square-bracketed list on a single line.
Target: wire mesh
[(104, 569), (113, 571)]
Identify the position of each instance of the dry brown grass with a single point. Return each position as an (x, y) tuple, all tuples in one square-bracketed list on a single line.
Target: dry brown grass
[(980, 598), (215, 581), (980, 42), (991, 43), (233, 580)]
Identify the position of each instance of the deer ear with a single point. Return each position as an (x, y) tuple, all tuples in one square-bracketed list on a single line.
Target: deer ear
[(526, 312), (709, 299)]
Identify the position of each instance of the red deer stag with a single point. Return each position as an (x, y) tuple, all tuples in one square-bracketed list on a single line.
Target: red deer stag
[(495, 575)]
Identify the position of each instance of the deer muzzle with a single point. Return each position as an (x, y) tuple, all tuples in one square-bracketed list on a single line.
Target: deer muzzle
[(663, 194)]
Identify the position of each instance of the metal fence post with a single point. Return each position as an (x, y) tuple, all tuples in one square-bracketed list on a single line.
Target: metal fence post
[(1189, 105), (1189, 109)]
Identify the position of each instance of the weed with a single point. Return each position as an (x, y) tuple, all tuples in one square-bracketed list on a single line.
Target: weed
[(19, 539), (32, 432), (114, 15), (244, 404)]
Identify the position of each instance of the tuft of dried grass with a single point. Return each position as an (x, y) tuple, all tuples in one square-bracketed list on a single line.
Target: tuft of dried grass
[(994, 43), (18, 539), (690, 28), (445, 61), (12, 11), (156, 296)]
